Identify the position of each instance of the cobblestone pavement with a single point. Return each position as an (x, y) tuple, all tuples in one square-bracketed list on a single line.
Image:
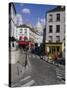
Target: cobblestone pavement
[(40, 72)]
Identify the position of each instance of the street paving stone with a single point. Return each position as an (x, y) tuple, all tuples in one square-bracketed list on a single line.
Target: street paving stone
[(38, 72), (26, 81)]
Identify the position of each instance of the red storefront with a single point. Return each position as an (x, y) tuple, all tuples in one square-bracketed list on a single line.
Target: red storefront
[(23, 42)]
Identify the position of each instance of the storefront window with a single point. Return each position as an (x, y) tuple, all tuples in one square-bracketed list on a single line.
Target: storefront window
[(58, 48), (50, 49), (53, 49)]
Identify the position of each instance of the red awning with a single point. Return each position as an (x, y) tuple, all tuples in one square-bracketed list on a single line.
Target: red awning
[(22, 42), (25, 43)]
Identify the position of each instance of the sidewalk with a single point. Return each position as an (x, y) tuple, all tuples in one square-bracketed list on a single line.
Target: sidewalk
[(17, 65), (52, 62), (60, 70)]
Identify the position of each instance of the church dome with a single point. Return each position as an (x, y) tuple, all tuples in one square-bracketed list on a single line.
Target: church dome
[(39, 27)]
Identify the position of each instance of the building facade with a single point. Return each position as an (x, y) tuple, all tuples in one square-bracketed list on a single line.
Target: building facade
[(22, 31), (12, 25), (26, 35), (55, 29)]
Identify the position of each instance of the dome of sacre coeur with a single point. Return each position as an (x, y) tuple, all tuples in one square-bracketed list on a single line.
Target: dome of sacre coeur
[(39, 26)]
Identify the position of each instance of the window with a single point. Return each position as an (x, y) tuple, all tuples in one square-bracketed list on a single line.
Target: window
[(58, 17), (53, 49), (57, 38), (58, 48), (57, 28), (50, 39), (50, 29), (50, 18), (25, 31), (20, 30), (50, 49), (20, 38)]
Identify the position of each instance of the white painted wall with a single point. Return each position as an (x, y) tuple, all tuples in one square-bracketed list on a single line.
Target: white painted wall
[(13, 21), (18, 34), (54, 23)]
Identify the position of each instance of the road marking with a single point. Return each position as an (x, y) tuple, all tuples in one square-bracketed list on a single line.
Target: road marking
[(57, 72), (59, 77), (21, 80), (29, 83), (14, 85), (26, 78)]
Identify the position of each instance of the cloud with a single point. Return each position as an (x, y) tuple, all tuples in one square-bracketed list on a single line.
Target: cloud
[(21, 4), (42, 20), (26, 11), (19, 19)]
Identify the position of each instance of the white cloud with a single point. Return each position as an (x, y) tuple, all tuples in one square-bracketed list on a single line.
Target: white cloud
[(19, 19), (42, 21), (26, 11), (21, 4)]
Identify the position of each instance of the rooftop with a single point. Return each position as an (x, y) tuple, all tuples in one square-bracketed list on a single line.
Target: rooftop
[(57, 9), (26, 26)]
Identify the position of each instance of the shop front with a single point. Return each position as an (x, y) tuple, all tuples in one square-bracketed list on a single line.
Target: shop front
[(53, 48), (24, 44)]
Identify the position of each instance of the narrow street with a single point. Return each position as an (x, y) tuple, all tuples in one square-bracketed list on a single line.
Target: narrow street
[(43, 72), (39, 72), (36, 45)]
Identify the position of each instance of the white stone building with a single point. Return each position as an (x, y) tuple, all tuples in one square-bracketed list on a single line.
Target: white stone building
[(55, 29), (12, 19), (29, 32), (22, 31), (12, 24), (26, 31), (55, 25)]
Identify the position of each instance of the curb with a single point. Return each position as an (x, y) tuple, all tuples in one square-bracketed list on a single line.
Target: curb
[(52, 62)]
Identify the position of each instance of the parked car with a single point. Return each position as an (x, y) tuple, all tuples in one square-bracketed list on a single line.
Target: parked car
[(60, 61)]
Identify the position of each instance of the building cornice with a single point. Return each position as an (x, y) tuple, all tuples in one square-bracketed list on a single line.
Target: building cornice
[(57, 9)]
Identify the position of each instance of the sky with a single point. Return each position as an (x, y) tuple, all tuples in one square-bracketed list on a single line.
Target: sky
[(31, 12)]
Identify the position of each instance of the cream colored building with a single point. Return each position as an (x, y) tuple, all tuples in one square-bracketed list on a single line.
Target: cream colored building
[(55, 29)]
